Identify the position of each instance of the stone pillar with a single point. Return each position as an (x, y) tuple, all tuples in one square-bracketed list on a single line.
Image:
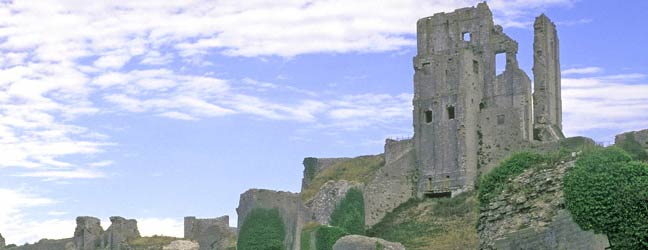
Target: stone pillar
[(120, 231), (547, 105), (87, 233)]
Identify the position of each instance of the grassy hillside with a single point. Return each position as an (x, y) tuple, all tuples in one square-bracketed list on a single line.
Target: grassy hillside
[(360, 169), (446, 223)]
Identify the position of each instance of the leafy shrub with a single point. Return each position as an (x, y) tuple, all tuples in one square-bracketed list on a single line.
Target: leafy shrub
[(350, 214), (326, 236), (634, 148), (608, 193), (496, 180), (262, 229), (306, 235)]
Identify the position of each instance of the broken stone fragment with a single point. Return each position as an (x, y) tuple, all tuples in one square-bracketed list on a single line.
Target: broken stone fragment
[(359, 242)]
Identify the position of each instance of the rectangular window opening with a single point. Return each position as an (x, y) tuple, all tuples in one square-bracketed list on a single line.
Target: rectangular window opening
[(428, 116), (466, 36), (500, 63), (451, 112), (475, 67), (500, 119)]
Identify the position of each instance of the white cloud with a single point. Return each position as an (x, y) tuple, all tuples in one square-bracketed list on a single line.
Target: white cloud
[(161, 226), (581, 71), (615, 104), (17, 228), (54, 175)]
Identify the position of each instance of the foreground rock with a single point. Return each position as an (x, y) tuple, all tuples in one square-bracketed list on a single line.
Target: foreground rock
[(530, 214), (359, 242), (182, 245)]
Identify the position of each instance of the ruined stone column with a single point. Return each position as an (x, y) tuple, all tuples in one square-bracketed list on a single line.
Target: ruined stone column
[(547, 104), (87, 233)]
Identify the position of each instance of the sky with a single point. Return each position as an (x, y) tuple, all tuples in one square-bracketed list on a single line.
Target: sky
[(156, 110)]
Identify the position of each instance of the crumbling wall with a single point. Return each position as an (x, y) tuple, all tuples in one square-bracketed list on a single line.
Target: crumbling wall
[(393, 184), (547, 103), (640, 136), (319, 208), (211, 234), (88, 233), (464, 115), (2, 242), (120, 231), (46, 244), (314, 166), (530, 214), (289, 205)]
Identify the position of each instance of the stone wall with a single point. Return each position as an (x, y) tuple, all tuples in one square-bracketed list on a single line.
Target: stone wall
[(530, 214), (289, 205), (120, 231), (317, 165), (2, 242), (640, 136), (88, 233), (45, 244), (393, 184), (319, 208), (211, 234), (359, 242)]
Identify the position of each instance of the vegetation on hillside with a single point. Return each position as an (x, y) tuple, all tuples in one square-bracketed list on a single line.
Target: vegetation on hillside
[(262, 229), (360, 169), (492, 183), (350, 214), (608, 192), (445, 223), (153, 242), (634, 148)]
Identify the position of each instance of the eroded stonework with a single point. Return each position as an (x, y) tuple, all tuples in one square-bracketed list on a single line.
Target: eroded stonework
[(465, 116), (211, 234), (359, 242)]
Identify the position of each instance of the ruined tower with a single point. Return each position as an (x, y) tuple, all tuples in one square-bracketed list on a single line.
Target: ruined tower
[(465, 116), (547, 102)]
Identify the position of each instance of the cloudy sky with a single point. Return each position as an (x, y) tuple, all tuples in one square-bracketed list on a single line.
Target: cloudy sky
[(157, 110)]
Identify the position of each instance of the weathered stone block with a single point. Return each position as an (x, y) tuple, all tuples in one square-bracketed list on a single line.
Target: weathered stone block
[(359, 242)]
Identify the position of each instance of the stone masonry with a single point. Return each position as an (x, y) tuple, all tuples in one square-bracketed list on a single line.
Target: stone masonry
[(210, 234), (530, 214), (640, 136), (88, 233), (2, 242), (290, 206), (466, 116)]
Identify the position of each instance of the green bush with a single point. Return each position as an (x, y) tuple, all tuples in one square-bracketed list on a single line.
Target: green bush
[(326, 236), (634, 148), (608, 193), (262, 229), (350, 214), (496, 180)]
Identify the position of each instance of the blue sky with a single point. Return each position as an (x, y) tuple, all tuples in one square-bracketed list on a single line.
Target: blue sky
[(157, 110)]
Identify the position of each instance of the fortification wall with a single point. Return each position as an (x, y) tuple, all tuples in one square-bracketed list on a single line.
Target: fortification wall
[(640, 136), (394, 183), (289, 205), (210, 233)]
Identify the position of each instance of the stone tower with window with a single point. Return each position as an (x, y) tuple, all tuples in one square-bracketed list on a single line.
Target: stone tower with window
[(465, 116)]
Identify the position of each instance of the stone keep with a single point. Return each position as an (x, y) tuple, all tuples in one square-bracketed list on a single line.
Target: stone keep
[(465, 116), (87, 234)]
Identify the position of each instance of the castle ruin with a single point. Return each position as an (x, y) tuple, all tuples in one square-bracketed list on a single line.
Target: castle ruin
[(465, 116)]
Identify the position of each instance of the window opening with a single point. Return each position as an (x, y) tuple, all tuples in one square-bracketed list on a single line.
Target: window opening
[(428, 116), (451, 112), (475, 67), (500, 119), (500, 63), (466, 36)]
